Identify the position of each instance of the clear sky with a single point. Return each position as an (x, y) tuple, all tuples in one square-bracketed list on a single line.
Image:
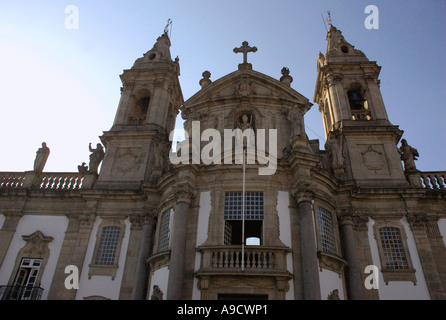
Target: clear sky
[(62, 85)]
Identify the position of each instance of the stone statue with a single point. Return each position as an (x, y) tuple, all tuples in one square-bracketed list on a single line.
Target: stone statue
[(41, 157), (157, 293), (334, 149), (295, 115), (246, 123), (334, 295), (82, 168), (408, 156), (161, 150), (96, 156)]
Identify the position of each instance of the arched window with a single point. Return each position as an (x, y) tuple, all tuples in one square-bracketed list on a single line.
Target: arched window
[(358, 102), (138, 112)]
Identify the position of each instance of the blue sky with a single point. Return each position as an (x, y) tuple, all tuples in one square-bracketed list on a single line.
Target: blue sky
[(62, 86)]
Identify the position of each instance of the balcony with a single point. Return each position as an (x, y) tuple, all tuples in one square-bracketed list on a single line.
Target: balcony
[(20, 293), (264, 271), (257, 259)]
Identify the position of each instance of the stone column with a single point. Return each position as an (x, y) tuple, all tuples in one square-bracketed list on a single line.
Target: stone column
[(137, 242), (142, 269), (354, 281), (73, 252), (296, 251), (7, 232), (178, 245), (310, 269)]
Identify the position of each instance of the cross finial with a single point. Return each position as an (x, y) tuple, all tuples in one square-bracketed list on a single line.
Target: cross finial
[(245, 48)]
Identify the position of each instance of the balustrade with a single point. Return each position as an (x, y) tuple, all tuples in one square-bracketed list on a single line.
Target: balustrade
[(46, 180), (255, 258), (11, 180), (434, 180)]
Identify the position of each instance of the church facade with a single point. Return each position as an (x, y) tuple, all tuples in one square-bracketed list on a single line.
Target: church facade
[(353, 219)]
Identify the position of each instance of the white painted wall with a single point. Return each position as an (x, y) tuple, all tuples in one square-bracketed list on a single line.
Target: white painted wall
[(203, 217), (102, 286), (283, 211), (50, 226), (202, 234), (160, 278), (330, 281), (400, 290)]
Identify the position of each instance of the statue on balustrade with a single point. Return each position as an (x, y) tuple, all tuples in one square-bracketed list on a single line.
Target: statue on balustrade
[(408, 155), (41, 157), (96, 156), (82, 168)]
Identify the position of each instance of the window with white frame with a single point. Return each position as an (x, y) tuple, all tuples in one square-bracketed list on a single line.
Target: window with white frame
[(327, 238), (253, 216), (393, 250), (165, 229), (107, 250)]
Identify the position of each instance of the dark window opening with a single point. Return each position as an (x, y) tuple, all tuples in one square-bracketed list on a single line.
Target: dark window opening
[(233, 231)]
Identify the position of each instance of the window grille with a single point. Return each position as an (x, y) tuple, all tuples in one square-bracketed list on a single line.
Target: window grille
[(253, 205), (326, 231), (393, 249), (164, 233), (108, 246)]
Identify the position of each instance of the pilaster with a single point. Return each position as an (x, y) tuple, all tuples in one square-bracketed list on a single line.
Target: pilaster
[(73, 252)]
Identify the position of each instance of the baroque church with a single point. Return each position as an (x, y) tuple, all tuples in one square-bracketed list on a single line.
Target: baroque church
[(352, 219)]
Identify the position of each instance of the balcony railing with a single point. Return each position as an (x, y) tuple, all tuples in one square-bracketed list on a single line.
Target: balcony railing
[(20, 293), (255, 258), (434, 180)]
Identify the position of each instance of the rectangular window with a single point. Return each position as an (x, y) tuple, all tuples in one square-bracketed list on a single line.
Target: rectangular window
[(24, 287), (164, 232), (326, 231), (108, 246), (393, 249), (233, 215)]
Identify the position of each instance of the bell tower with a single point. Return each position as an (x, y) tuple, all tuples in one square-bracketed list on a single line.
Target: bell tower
[(150, 99), (361, 141)]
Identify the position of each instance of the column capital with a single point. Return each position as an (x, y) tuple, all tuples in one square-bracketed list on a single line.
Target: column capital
[(417, 221), (303, 192), (184, 192)]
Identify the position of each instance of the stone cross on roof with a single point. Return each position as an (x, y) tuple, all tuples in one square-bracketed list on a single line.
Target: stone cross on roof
[(245, 48)]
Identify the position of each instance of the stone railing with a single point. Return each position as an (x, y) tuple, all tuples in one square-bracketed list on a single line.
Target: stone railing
[(434, 180), (361, 114), (11, 180), (256, 258), (46, 180)]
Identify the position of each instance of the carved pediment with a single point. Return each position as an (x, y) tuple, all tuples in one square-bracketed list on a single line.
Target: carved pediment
[(243, 84)]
